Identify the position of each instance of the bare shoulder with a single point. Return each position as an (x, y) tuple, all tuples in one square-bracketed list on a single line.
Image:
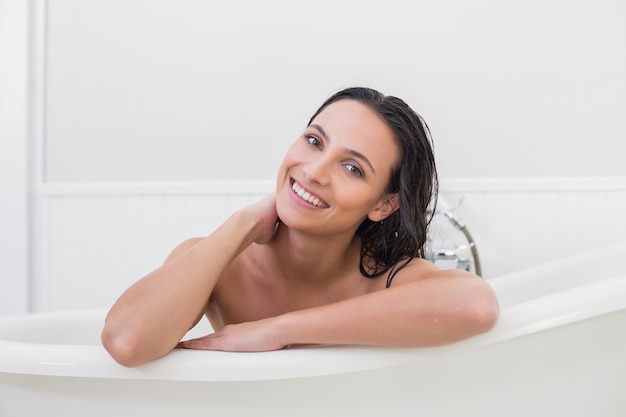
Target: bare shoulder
[(421, 269), (447, 286)]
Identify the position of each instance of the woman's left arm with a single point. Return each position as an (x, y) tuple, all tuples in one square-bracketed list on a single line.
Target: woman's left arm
[(442, 306)]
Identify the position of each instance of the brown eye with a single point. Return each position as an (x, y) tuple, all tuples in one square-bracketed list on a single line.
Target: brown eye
[(354, 170), (314, 141)]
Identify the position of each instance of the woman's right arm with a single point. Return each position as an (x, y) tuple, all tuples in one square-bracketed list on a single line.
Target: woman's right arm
[(150, 317)]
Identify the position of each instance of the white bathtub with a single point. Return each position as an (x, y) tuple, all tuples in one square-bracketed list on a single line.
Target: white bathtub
[(558, 349)]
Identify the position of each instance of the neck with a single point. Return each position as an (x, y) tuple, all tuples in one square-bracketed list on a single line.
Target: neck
[(313, 258)]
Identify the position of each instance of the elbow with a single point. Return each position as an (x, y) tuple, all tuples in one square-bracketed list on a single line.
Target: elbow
[(485, 317), (122, 346), (481, 310)]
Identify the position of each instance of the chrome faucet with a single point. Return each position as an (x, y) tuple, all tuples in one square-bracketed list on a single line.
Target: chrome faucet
[(464, 256)]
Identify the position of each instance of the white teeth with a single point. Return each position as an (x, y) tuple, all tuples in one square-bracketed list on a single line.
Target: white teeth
[(306, 196)]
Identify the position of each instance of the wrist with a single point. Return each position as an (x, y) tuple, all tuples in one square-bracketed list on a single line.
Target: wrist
[(287, 331), (260, 220), (245, 224)]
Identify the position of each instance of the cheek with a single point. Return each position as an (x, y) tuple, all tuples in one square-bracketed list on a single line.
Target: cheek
[(357, 198), (287, 161), (292, 156)]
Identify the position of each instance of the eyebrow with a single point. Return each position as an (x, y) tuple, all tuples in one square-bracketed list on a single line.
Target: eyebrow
[(352, 152)]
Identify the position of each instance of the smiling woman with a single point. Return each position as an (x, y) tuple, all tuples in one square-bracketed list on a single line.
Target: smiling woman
[(301, 266)]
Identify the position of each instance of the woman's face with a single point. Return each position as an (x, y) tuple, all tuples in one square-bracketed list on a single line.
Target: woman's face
[(334, 175)]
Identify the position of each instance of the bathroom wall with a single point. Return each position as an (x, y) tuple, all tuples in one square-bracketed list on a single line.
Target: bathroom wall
[(135, 124), (14, 245), (95, 241), (184, 90)]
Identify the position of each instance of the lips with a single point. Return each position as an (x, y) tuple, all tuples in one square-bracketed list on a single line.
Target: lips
[(307, 196)]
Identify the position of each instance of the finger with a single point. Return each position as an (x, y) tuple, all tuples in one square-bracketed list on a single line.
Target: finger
[(202, 343)]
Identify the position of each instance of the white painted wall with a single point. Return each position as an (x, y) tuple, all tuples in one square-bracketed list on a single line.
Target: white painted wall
[(207, 90), (166, 92), (13, 157)]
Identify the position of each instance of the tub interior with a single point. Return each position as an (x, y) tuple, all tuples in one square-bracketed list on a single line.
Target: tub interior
[(560, 275), (54, 328), (80, 328)]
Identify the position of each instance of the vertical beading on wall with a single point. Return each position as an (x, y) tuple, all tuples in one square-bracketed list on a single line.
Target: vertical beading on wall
[(534, 224), (99, 240)]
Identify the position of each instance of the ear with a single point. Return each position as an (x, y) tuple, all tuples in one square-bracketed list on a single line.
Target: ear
[(385, 206)]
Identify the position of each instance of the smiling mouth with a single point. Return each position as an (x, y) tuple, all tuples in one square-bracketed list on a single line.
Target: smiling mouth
[(306, 196)]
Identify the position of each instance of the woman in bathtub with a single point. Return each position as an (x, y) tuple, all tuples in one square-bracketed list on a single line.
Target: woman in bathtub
[(334, 256)]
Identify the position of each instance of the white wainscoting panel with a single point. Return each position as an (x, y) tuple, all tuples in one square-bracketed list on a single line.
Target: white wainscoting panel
[(97, 239), (517, 226)]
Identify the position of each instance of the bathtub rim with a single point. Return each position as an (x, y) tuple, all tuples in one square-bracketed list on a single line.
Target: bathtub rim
[(92, 361)]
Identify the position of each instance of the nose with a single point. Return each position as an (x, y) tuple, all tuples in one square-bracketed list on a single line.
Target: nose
[(318, 169)]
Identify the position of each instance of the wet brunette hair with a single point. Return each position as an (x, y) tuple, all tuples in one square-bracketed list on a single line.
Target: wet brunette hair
[(389, 245)]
